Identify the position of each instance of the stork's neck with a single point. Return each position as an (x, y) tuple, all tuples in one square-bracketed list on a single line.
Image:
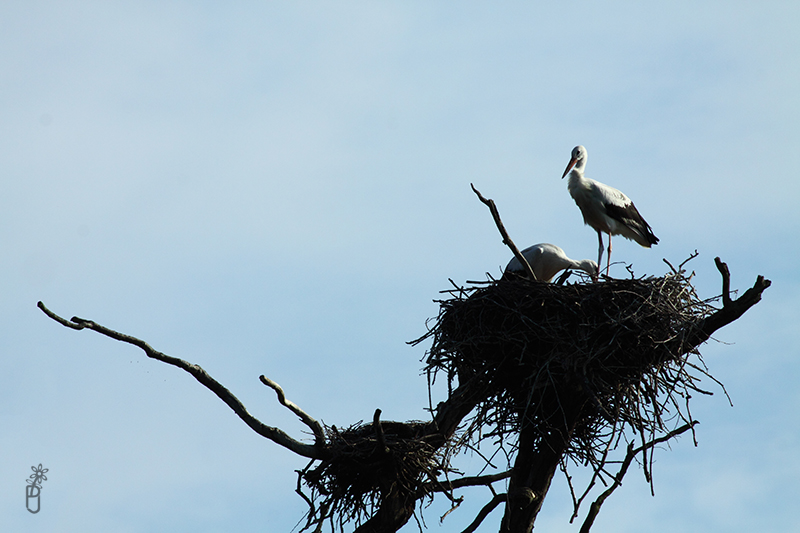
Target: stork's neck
[(587, 265), (576, 175), (580, 164)]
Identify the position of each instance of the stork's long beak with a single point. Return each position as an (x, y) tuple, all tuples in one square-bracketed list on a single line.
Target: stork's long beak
[(569, 167)]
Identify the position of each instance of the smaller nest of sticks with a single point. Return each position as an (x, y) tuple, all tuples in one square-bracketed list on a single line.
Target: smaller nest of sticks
[(367, 462), (619, 347)]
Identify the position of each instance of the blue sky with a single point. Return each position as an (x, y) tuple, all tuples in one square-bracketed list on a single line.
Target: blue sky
[(283, 188)]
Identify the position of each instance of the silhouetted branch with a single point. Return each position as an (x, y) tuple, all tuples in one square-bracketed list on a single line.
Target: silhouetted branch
[(731, 309), (632, 452), (469, 481), (274, 434), (726, 281), (506, 239), (376, 425), (488, 508)]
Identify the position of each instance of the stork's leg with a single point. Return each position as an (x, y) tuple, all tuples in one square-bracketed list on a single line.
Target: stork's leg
[(600, 253), (608, 264)]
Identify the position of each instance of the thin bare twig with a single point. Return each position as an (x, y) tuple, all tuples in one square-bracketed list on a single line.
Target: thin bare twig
[(456, 504), (632, 452)]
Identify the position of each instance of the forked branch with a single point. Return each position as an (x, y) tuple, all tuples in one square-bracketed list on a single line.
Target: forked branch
[(312, 451), (315, 426), (731, 309), (631, 454)]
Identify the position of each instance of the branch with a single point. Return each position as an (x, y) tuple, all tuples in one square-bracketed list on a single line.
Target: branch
[(376, 425), (58, 319), (731, 309), (452, 411), (274, 434), (632, 452), (488, 508), (315, 426), (506, 239), (726, 281), (472, 481)]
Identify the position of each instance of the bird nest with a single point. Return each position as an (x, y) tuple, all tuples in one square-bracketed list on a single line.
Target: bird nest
[(619, 349), (367, 462)]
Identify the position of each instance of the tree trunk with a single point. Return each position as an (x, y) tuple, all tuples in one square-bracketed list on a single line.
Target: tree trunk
[(395, 511), (537, 459)]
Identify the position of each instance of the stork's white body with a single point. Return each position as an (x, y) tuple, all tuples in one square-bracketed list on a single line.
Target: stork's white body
[(547, 260), (605, 208)]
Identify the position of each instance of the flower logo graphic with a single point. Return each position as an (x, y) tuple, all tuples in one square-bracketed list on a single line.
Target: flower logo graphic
[(34, 488)]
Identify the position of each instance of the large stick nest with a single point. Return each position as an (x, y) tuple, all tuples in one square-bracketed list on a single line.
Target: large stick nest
[(618, 348), (368, 462)]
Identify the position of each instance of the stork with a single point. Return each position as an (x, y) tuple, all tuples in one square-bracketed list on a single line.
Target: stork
[(547, 260), (604, 208)]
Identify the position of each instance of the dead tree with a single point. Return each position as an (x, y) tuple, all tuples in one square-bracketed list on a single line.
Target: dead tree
[(555, 375)]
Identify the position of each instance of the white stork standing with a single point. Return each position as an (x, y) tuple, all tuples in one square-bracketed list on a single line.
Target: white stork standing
[(604, 208), (547, 260)]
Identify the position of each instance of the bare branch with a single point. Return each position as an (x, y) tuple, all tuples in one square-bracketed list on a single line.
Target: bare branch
[(731, 309), (274, 434), (315, 426), (691, 256), (456, 504), (471, 481), (376, 425), (506, 239), (452, 411), (310, 517), (726, 281), (488, 508), (62, 321), (632, 452)]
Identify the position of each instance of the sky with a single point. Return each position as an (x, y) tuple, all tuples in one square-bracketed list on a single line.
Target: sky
[(283, 188)]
